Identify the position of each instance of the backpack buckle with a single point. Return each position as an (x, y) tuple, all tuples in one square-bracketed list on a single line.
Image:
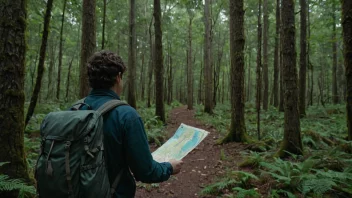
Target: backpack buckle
[(67, 145)]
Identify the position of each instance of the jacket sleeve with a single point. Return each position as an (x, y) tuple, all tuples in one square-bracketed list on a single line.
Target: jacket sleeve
[(138, 155)]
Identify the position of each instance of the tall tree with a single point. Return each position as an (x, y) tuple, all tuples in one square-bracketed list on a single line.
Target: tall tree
[(346, 21), (87, 44), (131, 96), (38, 82), (276, 56), (265, 56), (60, 53), (303, 59), (159, 67), (259, 67), (104, 23), (292, 131), (12, 69), (335, 95), (208, 106), (151, 64), (189, 62), (237, 130)]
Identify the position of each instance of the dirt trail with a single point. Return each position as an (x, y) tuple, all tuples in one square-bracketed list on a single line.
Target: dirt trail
[(201, 166)]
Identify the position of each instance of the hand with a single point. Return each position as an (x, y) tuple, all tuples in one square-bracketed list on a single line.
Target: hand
[(176, 166)]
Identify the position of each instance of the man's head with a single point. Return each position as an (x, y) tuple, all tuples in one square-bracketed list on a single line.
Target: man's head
[(105, 70)]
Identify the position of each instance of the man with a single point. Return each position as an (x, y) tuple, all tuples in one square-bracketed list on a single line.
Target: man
[(125, 140)]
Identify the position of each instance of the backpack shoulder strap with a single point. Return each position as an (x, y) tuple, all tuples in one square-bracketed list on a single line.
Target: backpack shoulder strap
[(106, 107)]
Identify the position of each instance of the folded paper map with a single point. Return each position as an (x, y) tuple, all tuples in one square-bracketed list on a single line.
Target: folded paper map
[(178, 146)]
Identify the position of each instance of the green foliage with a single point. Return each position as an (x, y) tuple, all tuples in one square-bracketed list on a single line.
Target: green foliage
[(277, 194), (243, 193), (232, 179), (253, 160), (8, 184)]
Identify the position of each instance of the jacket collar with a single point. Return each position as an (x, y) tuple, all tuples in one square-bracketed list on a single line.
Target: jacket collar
[(104, 92)]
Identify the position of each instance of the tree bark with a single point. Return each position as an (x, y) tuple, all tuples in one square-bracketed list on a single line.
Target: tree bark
[(131, 94), (12, 69), (208, 106), (346, 21), (292, 131), (38, 82), (68, 80), (151, 64), (189, 67), (259, 67), (87, 43), (159, 68), (237, 130), (104, 21), (60, 53), (265, 56), (303, 59), (335, 95), (281, 103), (276, 56)]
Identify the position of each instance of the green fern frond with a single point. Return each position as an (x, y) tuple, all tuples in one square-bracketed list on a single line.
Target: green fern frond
[(216, 188), (243, 193), (7, 184), (317, 186)]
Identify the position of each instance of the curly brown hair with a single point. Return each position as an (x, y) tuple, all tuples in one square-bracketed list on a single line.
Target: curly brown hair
[(103, 68)]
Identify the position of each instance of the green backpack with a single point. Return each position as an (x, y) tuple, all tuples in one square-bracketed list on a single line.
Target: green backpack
[(71, 161)]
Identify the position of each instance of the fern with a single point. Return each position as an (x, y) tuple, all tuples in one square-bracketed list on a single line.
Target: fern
[(276, 194), (243, 193), (317, 186), (7, 184), (216, 188)]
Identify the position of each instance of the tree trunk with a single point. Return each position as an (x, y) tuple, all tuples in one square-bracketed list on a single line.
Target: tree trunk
[(303, 59), (292, 131), (38, 82), (51, 53), (265, 56), (347, 41), (12, 70), (68, 79), (159, 68), (60, 53), (208, 106), (87, 44), (308, 59), (131, 94), (151, 64), (237, 130), (281, 103), (259, 67), (276, 56), (189, 67), (142, 81), (335, 95), (170, 77), (104, 21), (200, 99)]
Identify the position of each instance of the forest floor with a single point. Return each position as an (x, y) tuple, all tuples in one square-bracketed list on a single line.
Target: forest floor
[(207, 162)]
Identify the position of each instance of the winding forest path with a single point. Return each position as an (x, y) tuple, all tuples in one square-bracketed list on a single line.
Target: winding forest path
[(201, 166)]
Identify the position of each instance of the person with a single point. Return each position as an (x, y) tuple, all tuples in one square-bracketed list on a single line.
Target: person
[(125, 142)]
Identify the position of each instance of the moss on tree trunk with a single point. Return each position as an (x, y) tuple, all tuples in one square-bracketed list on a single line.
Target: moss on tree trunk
[(292, 142), (12, 65), (237, 130)]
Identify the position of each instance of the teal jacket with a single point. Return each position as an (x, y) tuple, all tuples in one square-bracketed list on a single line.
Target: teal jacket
[(126, 146)]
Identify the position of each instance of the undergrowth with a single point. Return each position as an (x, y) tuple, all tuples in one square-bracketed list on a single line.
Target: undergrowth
[(323, 171), (9, 184)]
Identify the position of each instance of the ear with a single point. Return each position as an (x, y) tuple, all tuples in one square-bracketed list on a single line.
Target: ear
[(118, 78)]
